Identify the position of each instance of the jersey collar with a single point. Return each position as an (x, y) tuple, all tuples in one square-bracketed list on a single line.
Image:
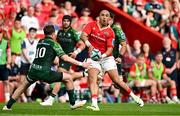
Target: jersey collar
[(100, 26)]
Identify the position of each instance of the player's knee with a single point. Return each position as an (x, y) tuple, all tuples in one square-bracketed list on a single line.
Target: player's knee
[(67, 77), (159, 82), (154, 83), (92, 79), (172, 83)]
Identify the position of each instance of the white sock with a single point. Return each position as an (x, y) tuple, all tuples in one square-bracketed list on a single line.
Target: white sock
[(174, 97), (7, 96), (132, 94), (94, 101), (51, 98), (31, 88)]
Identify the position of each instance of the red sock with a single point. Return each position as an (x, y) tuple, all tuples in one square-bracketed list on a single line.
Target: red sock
[(173, 91), (94, 96)]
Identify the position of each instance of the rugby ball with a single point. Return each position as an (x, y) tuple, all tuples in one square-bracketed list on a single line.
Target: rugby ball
[(95, 54)]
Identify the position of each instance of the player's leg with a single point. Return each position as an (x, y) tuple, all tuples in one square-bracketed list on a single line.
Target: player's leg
[(4, 77), (161, 91), (57, 85), (109, 65), (67, 79), (153, 85), (93, 72), (93, 86), (173, 91), (50, 99), (24, 85)]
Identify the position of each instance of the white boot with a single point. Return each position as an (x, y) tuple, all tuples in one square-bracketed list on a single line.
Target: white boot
[(176, 100), (137, 99), (5, 108), (48, 102), (78, 104)]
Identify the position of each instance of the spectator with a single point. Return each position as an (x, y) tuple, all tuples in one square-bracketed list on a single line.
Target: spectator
[(28, 54), (165, 13), (40, 15), (138, 76), (174, 28), (175, 8), (9, 22), (169, 59), (14, 78), (30, 20), (84, 19), (147, 54), (47, 6), (16, 36), (22, 10), (53, 21), (139, 13), (128, 6), (152, 5), (151, 21), (158, 74), (59, 15), (5, 60), (28, 51), (136, 48)]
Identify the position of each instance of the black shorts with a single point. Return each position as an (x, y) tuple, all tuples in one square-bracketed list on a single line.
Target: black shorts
[(24, 68), (4, 73), (48, 76)]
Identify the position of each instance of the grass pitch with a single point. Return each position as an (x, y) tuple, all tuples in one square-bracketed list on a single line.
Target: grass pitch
[(34, 109)]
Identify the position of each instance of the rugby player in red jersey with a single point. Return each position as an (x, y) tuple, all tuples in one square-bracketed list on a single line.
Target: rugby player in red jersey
[(99, 35)]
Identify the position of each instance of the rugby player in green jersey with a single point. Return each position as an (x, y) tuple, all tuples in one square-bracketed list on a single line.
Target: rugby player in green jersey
[(46, 51), (68, 38), (119, 49)]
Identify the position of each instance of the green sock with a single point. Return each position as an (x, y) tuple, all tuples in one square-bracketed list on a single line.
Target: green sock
[(53, 95), (71, 96), (10, 103)]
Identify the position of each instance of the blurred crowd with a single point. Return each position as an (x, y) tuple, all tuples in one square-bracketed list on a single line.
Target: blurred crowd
[(23, 20)]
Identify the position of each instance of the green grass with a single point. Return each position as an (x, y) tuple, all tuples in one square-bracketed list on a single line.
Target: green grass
[(34, 109)]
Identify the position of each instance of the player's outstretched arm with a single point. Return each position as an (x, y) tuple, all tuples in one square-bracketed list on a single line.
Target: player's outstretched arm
[(73, 61), (84, 38)]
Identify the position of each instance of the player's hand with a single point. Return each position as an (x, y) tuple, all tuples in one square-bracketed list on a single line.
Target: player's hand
[(85, 64), (168, 71), (118, 60), (73, 55), (8, 66)]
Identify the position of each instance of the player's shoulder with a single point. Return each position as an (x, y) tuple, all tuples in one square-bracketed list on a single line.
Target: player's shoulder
[(111, 31), (92, 23), (73, 30)]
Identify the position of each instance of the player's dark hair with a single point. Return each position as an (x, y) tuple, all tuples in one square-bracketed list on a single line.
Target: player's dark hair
[(49, 30), (112, 15), (141, 55), (158, 53)]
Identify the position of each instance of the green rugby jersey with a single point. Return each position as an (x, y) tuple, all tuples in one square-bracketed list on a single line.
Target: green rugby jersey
[(119, 37), (46, 51), (68, 39), (3, 54), (157, 72)]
